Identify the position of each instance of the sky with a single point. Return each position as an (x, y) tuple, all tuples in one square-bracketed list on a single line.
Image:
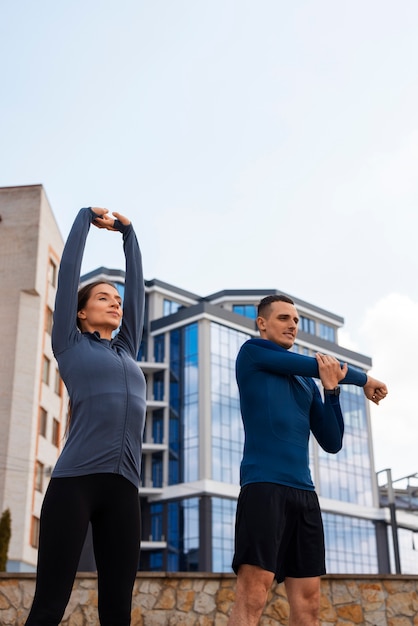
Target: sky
[(254, 144)]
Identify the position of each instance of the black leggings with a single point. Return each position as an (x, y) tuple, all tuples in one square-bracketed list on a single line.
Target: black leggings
[(111, 503)]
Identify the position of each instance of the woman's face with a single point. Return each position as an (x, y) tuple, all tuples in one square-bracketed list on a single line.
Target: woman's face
[(102, 312)]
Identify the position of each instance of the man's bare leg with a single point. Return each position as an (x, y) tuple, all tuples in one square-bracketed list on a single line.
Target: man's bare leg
[(304, 596), (253, 584)]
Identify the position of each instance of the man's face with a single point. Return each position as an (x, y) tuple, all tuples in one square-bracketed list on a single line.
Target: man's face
[(280, 324)]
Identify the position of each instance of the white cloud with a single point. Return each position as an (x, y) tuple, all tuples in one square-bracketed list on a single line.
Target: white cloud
[(392, 335), (347, 341)]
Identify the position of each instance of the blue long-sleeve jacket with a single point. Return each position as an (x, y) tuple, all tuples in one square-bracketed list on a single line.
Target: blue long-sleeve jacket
[(280, 406), (104, 382)]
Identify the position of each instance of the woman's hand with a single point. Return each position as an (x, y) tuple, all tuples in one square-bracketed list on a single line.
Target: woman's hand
[(107, 221), (123, 220)]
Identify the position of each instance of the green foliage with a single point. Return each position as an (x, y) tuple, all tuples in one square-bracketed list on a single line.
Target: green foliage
[(5, 534)]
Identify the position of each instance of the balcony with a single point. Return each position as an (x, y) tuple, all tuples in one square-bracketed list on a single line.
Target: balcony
[(153, 545), (146, 491), (156, 404), (149, 446), (150, 367)]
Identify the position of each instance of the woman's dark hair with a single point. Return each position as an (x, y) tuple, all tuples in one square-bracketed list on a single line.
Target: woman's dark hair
[(84, 294)]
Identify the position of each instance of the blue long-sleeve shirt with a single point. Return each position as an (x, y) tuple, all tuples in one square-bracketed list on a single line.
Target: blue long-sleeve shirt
[(103, 379), (280, 406)]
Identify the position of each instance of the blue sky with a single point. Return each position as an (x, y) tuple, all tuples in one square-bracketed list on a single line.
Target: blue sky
[(253, 144)]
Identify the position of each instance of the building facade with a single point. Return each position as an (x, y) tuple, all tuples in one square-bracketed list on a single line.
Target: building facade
[(194, 438), (32, 397), (193, 433)]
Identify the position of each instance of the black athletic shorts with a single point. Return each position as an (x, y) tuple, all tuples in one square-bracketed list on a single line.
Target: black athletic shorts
[(279, 529)]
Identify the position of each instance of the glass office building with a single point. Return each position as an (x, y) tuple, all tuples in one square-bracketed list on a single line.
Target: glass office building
[(194, 437)]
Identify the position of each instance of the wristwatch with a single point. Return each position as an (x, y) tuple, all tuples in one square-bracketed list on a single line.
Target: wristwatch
[(332, 392)]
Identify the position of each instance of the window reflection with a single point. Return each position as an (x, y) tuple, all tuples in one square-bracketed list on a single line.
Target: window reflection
[(184, 405), (223, 524), (350, 545), (248, 310), (227, 429), (159, 348), (408, 548), (183, 535), (307, 324), (170, 307), (347, 476), (326, 332)]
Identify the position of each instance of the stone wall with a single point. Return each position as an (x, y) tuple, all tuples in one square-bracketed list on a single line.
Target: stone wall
[(206, 599)]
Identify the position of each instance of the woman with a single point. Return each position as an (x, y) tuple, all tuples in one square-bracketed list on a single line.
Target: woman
[(96, 477)]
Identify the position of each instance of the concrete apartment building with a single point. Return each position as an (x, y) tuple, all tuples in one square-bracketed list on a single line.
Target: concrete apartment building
[(32, 404), (193, 435)]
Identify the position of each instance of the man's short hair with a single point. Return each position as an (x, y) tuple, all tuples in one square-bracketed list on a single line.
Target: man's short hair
[(265, 303)]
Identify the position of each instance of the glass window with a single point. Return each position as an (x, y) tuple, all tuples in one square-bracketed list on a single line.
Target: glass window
[(157, 469), (156, 511), (57, 386), (121, 289), (45, 369), (175, 521), (347, 475), (223, 524), (408, 548), (191, 534), (183, 535), (175, 405), (307, 325), (48, 320), (184, 397), (34, 533), (227, 429), (156, 561), (39, 476), (170, 307), (43, 418), (52, 273), (158, 426), (301, 350), (143, 349), (190, 421), (159, 348), (248, 310), (326, 332), (158, 386), (350, 545), (55, 432)]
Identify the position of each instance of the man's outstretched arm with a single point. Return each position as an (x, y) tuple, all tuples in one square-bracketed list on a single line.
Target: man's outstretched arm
[(332, 372), (375, 390)]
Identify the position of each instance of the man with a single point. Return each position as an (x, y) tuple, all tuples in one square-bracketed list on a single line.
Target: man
[(279, 532)]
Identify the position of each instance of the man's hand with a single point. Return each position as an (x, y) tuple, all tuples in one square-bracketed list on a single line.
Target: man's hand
[(330, 370), (107, 221), (375, 390)]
